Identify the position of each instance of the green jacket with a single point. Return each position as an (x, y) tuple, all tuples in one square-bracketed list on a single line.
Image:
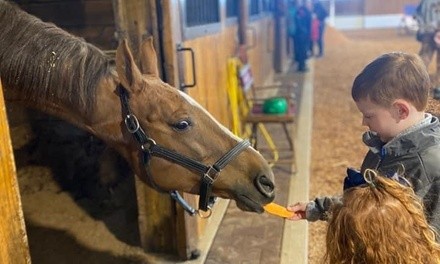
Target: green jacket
[(418, 150)]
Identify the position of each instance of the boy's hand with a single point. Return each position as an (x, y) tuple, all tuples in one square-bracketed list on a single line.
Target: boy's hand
[(299, 210)]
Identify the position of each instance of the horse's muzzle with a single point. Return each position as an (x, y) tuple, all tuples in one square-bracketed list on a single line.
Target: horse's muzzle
[(265, 186)]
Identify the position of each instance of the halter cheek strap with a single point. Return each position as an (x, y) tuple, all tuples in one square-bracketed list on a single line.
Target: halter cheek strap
[(149, 148)]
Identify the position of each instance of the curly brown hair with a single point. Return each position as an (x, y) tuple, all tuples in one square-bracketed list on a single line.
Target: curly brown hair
[(382, 222)]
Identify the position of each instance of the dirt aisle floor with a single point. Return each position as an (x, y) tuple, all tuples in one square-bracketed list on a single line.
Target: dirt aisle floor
[(336, 140)]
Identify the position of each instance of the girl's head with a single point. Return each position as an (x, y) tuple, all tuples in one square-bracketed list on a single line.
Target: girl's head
[(380, 222)]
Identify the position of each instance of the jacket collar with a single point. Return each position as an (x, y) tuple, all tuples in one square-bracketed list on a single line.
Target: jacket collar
[(412, 139)]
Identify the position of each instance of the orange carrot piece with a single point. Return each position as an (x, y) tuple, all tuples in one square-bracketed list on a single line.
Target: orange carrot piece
[(277, 210)]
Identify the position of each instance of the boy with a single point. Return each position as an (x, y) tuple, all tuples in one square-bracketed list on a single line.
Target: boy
[(392, 93)]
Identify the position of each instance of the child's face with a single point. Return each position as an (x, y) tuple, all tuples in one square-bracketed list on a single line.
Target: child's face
[(379, 119)]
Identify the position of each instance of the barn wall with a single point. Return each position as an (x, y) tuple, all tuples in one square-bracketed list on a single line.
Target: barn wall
[(377, 7), (358, 14), (211, 62), (261, 49), (211, 54)]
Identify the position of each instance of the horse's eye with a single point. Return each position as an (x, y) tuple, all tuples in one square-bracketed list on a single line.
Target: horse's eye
[(182, 125)]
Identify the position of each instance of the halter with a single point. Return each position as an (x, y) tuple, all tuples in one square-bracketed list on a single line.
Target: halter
[(149, 147)]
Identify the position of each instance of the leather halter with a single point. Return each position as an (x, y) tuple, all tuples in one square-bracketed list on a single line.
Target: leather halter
[(149, 148)]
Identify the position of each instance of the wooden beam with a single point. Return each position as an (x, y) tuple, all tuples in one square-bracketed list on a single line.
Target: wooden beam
[(281, 63), (13, 239), (243, 18), (156, 220)]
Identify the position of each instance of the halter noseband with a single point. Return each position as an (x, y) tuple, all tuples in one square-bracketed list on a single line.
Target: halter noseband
[(149, 148)]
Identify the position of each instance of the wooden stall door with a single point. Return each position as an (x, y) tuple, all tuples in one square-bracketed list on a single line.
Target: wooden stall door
[(13, 239)]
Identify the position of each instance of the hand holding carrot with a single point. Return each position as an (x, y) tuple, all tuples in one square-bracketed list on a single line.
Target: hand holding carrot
[(298, 211), (292, 212)]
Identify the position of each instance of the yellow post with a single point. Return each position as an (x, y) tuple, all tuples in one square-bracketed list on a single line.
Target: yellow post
[(233, 96)]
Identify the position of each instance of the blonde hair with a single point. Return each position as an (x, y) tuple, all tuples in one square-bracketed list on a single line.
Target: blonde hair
[(392, 76), (381, 222)]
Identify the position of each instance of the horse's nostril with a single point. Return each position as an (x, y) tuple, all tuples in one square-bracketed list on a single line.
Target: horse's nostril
[(264, 185)]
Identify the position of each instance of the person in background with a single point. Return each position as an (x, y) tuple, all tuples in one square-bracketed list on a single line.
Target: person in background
[(314, 36), (292, 8), (321, 14), (428, 18), (380, 221), (303, 20), (392, 94)]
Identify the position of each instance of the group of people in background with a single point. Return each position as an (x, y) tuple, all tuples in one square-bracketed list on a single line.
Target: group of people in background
[(305, 27)]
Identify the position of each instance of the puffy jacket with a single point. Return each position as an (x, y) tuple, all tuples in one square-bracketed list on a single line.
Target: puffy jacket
[(418, 150)]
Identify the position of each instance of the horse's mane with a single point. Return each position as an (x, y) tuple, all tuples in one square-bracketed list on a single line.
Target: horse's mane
[(46, 63)]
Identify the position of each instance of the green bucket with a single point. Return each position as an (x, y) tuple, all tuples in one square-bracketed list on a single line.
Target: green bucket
[(275, 105)]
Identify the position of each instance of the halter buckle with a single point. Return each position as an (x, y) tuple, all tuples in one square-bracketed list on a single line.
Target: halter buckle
[(211, 175), (148, 144), (132, 123)]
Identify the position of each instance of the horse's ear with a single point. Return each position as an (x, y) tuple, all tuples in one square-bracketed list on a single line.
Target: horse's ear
[(148, 57), (129, 74)]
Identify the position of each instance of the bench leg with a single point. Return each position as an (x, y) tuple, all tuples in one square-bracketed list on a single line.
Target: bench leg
[(254, 135), (289, 138), (291, 145)]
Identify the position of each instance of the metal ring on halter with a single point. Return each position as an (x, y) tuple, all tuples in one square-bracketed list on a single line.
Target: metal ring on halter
[(402, 180), (369, 176), (201, 215), (148, 144), (133, 126)]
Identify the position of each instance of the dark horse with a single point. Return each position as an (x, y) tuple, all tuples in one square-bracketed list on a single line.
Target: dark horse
[(44, 67)]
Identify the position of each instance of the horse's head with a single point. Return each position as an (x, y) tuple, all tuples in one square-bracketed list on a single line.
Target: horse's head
[(176, 122)]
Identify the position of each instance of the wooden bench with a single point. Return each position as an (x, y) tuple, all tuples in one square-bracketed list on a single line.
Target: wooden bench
[(249, 120)]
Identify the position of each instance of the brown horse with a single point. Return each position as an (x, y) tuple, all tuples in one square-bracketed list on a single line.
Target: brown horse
[(130, 108)]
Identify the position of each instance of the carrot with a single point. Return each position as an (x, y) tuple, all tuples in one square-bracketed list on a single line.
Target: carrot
[(277, 210)]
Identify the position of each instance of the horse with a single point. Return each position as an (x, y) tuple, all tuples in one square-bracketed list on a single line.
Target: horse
[(168, 139)]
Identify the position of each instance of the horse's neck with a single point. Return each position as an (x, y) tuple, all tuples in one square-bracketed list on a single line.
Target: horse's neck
[(61, 107), (55, 107), (55, 72)]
